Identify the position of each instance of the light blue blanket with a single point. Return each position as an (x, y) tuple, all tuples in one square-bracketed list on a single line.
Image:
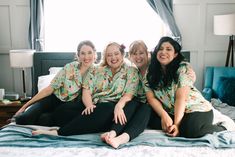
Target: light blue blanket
[(18, 136)]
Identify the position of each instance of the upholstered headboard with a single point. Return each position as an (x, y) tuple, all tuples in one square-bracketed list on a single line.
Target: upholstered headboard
[(186, 54), (42, 61)]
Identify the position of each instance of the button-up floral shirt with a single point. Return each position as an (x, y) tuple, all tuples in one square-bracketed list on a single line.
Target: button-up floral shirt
[(195, 100), (67, 83), (141, 95), (106, 87)]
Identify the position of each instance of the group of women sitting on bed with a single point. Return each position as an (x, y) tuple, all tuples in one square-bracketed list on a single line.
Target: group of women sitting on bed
[(121, 98)]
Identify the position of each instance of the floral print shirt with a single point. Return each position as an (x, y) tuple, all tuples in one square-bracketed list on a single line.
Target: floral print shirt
[(141, 95), (195, 100), (106, 87), (67, 83)]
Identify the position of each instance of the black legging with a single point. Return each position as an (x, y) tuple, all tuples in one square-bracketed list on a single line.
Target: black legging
[(98, 121), (193, 125), (138, 121), (40, 112), (66, 112), (198, 124)]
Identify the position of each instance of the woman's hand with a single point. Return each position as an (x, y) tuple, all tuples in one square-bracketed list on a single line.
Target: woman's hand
[(40, 95), (173, 131), (166, 122), (119, 115), (87, 101), (88, 110)]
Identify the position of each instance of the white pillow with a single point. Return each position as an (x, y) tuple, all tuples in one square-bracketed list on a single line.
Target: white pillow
[(54, 70), (44, 81)]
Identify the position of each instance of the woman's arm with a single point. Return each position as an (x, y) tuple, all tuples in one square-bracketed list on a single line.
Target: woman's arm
[(40, 95), (130, 90), (157, 107), (119, 114), (87, 101), (180, 104)]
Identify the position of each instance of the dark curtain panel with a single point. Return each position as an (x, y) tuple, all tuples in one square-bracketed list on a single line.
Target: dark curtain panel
[(36, 27), (164, 8)]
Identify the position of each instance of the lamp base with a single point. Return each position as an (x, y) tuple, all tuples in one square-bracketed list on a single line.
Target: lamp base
[(25, 99), (230, 55)]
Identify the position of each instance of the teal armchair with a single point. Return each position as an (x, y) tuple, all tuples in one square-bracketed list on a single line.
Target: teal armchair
[(212, 81)]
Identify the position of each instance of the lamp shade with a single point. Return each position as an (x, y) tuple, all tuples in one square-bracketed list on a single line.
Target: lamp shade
[(224, 24), (22, 58)]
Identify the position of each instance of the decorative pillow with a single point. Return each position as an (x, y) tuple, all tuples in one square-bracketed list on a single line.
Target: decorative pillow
[(44, 81), (54, 70), (226, 90)]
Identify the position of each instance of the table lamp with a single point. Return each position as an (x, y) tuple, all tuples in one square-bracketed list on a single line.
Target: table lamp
[(22, 58), (225, 25)]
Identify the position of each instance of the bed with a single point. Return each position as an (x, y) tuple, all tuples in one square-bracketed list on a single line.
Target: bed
[(16, 140)]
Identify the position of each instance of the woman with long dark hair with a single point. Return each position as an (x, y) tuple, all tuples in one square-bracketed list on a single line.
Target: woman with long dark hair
[(180, 108)]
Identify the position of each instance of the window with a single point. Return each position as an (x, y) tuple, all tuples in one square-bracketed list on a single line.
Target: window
[(67, 22)]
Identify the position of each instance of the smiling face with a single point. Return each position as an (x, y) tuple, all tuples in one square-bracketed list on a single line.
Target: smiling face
[(139, 57), (86, 56), (166, 54), (114, 57)]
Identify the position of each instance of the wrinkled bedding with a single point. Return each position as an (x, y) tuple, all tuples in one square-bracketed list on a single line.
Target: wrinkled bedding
[(21, 136), (224, 108), (18, 141)]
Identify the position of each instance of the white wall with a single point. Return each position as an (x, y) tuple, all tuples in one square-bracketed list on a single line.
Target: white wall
[(194, 18), (195, 21)]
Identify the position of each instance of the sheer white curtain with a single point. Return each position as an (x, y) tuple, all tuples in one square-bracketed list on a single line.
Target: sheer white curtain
[(67, 22)]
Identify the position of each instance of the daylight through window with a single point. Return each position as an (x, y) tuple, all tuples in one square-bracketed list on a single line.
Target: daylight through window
[(67, 22)]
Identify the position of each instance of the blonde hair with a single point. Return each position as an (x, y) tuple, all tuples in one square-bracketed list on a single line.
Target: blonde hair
[(120, 47), (136, 45)]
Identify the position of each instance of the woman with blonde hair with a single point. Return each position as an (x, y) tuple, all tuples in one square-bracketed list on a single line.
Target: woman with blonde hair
[(139, 56), (108, 92)]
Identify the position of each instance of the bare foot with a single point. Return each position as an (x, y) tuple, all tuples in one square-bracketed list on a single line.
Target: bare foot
[(107, 135), (117, 141), (112, 142), (45, 132), (102, 136)]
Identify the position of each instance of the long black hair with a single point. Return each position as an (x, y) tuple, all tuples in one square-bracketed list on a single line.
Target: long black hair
[(155, 76)]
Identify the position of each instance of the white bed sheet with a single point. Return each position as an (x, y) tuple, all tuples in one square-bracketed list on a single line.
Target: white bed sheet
[(135, 151)]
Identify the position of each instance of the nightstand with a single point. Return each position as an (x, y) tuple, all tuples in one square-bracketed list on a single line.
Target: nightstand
[(7, 111)]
